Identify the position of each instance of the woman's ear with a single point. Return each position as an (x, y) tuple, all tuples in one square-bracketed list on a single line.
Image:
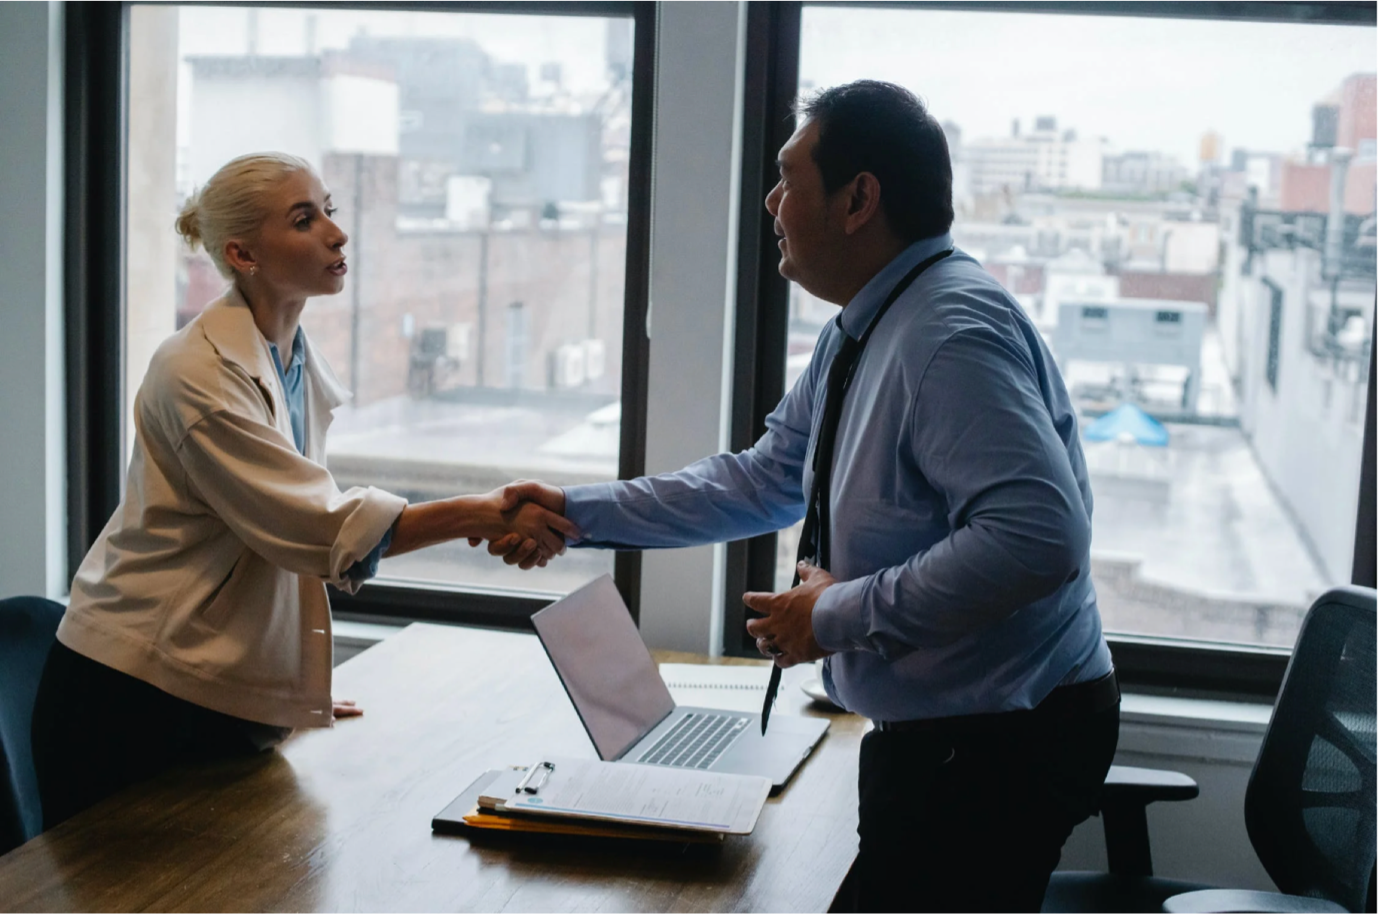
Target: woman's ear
[(238, 257)]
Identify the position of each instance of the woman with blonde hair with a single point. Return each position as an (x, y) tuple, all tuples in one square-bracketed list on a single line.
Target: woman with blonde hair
[(198, 625)]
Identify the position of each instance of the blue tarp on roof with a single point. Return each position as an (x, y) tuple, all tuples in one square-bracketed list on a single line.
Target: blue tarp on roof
[(1127, 418)]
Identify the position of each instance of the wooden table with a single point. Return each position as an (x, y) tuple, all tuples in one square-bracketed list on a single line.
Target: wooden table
[(338, 819)]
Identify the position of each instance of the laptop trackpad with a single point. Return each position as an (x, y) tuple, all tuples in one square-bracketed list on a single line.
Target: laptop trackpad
[(778, 754)]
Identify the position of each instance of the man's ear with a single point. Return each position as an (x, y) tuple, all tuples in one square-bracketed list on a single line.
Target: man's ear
[(863, 201)]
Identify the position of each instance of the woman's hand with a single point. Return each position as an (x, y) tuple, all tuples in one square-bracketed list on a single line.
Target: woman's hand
[(529, 533), (345, 709), (526, 535)]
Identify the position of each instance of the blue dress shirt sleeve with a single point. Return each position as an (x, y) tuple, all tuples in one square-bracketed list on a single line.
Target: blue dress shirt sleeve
[(721, 498), (1020, 525), (369, 565)]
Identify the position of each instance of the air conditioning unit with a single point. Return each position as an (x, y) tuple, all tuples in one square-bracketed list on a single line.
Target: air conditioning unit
[(567, 366), (594, 358), (459, 341)]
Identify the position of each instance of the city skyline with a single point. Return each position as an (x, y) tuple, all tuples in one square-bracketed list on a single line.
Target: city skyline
[(1081, 70)]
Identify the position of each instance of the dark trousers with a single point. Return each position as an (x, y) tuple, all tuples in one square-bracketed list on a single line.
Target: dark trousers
[(971, 815), (97, 730)]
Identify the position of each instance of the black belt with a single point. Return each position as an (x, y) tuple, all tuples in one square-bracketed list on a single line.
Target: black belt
[(1062, 703)]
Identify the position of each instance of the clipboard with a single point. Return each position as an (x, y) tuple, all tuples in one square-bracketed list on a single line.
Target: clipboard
[(634, 794), (618, 795), (465, 814)]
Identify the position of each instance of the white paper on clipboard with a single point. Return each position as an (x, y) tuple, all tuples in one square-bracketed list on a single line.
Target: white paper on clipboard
[(632, 793)]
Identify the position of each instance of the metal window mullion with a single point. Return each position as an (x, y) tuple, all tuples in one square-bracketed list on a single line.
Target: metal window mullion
[(761, 308), (1365, 569), (634, 382), (95, 127), (1323, 12)]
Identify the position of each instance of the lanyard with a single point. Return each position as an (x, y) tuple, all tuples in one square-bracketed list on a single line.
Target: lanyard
[(817, 526), (816, 529)]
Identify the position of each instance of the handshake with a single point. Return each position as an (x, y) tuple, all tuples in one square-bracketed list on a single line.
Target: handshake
[(525, 525)]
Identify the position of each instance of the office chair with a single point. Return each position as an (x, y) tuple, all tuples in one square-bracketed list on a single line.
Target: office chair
[(1129, 886), (27, 629), (1310, 805)]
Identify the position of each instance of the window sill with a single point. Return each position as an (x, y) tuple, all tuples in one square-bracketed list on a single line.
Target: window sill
[(1195, 712), (359, 635)]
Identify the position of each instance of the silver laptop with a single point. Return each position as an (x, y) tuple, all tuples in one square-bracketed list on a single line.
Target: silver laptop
[(629, 713)]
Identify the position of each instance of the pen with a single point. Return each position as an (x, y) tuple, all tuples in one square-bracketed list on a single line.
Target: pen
[(524, 786), (775, 676)]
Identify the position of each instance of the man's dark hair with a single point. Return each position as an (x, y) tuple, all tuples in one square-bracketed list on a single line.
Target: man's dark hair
[(883, 129)]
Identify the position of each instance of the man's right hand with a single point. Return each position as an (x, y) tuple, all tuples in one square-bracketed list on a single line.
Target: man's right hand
[(536, 491), (521, 492)]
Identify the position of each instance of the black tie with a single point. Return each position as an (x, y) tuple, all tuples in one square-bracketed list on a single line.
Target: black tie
[(815, 543)]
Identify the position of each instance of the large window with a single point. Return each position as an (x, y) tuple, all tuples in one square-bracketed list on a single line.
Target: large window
[(490, 165), (1185, 209)]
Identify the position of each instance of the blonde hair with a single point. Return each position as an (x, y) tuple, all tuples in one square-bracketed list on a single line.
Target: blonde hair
[(231, 204)]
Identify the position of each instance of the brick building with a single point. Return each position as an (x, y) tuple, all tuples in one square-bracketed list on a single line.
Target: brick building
[(1307, 185), (546, 285)]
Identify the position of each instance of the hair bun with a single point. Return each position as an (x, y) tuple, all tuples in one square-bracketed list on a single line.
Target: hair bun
[(234, 203), (188, 225)]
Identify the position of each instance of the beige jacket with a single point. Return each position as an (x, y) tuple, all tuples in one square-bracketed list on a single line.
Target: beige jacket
[(208, 581)]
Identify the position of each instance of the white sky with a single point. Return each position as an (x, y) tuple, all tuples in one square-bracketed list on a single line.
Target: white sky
[(1146, 84), (577, 42)]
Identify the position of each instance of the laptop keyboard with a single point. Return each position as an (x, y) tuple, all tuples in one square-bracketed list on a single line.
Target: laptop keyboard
[(696, 742)]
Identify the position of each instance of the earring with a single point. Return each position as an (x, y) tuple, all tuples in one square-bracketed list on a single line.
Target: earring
[(252, 270)]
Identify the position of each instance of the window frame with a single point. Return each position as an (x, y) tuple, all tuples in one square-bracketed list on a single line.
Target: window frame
[(1152, 664), (95, 159)]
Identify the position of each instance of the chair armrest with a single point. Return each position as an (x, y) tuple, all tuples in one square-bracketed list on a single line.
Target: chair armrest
[(1125, 785), (1127, 791), (1223, 901)]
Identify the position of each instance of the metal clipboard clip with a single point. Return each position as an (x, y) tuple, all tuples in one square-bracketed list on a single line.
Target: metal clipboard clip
[(544, 769)]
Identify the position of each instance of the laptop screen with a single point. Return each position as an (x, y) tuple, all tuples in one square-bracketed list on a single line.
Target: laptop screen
[(605, 666)]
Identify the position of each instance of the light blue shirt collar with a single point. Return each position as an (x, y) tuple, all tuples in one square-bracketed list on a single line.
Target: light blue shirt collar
[(295, 356), (291, 377), (856, 316)]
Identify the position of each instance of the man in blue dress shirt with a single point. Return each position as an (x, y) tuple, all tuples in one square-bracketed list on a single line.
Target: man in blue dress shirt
[(958, 611)]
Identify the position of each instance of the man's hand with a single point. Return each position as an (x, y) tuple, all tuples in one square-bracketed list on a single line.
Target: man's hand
[(536, 491), (784, 633), (532, 511)]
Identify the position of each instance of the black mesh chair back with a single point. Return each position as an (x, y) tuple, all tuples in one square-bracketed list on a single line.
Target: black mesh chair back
[(1310, 806), (27, 628)]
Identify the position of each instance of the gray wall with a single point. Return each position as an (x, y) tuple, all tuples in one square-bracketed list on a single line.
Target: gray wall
[(32, 526), (696, 168)]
